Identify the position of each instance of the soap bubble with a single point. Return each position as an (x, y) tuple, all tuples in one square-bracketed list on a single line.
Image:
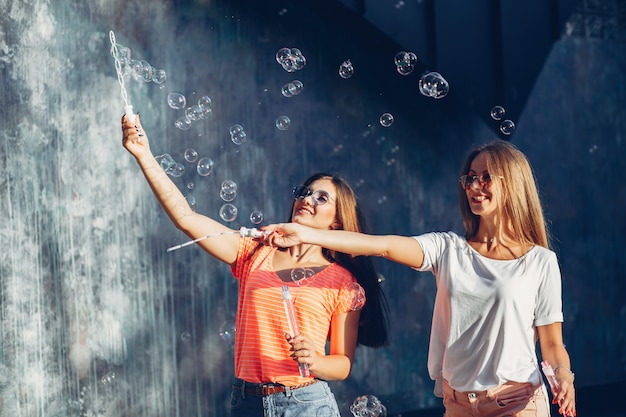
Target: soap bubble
[(228, 191), (299, 61), (205, 107), (185, 336), (176, 100), (346, 70), (159, 76), (205, 166), (183, 123), (237, 134), (193, 112), (142, 71), (282, 55), (354, 295), (507, 127), (433, 85), (206, 112), (177, 170), (368, 406), (497, 113), (165, 161), (256, 217), (405, 62), (204, 101), (386, 119), (235, 128), (296, 87), (229, 186), (228, 196), (191, 155), (292, 89), (283, 122), (286, 90), (291, 59), (121, 53), (227, 333), (301, 275), (239, 138), (191, 185), (228, 212)]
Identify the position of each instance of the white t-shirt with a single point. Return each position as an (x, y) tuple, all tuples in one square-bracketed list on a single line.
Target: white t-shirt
[(486, 310)]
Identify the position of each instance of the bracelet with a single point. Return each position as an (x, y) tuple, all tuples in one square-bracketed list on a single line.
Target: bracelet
[(566, 368)]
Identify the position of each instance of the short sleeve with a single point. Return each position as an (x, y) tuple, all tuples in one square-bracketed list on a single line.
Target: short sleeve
[(549, 308), (247, 248), (351, 297), (433, 245)]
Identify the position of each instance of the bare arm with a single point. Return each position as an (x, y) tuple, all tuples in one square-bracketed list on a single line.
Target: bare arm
[(553, 351), (401, 249), (173, 201), (335, 366)]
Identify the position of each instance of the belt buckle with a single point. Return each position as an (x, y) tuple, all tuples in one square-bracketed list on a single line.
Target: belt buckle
[(265, 390)]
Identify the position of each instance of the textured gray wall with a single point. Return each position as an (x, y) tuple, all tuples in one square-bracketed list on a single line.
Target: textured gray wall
[(96, 319)]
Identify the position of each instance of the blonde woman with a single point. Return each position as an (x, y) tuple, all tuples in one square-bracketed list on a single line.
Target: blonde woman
[(498, 290)]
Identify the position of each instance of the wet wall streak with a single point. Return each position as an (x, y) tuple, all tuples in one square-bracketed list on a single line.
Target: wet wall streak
[(97, 319)]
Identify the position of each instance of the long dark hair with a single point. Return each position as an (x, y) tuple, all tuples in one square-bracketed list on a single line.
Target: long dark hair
[(374, 320)]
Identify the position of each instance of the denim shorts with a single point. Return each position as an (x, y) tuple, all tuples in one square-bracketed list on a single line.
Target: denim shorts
[(316, 400)]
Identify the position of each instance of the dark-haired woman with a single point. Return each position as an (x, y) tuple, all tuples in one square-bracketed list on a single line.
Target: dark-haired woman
[(322, 283)]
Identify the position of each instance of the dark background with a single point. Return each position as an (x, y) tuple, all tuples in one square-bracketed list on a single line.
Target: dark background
[(97, 319)]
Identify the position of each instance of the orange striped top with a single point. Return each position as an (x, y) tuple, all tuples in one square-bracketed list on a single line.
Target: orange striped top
[(261, 350)]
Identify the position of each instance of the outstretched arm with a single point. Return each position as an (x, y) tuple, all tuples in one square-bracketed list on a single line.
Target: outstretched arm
[(553, 351), (173, 201), (401, 249)]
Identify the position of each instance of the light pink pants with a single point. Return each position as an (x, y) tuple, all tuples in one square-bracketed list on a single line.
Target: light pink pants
[(513, 399)]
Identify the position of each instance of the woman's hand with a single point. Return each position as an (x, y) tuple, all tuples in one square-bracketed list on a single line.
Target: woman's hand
[(284, 235), (565, 398), (134, 137), (302, 349)]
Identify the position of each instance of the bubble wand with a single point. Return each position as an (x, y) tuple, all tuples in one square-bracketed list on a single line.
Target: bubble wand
[(551, 377), (243, 232), (292, 322), (128, 109)]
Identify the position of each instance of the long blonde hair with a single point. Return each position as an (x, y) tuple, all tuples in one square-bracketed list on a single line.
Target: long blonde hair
[(520, 210)]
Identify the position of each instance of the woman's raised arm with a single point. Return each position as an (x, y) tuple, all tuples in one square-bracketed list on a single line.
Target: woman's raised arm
[(223, 247)]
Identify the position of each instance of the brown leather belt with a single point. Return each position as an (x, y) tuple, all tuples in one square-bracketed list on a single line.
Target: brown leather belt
[(263, 390)]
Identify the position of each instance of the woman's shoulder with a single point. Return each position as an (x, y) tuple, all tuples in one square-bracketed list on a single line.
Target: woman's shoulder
[(336, 275), (542, 252), (447, 236)]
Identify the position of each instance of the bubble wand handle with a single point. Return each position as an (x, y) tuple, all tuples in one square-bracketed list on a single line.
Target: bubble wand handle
[(128, 109), (191, 242), (551, 377), (243, 232), (293, 325)]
